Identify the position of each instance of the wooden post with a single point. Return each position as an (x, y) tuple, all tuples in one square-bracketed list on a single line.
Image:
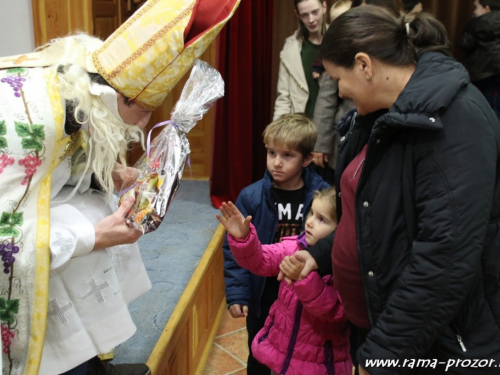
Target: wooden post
[(56, 18)]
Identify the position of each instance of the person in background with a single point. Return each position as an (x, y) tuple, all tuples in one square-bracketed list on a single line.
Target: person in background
[(416, 250), (306, 331), (277, 204), (412, 8), (393, 6), (297, 89), (330, 109), (328, 103), (481, 41), (338, 8)]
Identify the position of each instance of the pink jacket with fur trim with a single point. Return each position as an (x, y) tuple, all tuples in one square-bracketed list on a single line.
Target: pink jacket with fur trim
[(306, 331)]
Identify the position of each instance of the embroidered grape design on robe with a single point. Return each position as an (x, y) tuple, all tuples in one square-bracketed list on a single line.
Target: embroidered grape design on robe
[(31, 138)]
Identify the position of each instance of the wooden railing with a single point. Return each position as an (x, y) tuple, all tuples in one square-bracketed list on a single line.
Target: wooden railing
[(185, 343)]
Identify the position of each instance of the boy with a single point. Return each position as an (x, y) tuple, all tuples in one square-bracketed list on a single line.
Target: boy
[(481, 40), (277, 204)]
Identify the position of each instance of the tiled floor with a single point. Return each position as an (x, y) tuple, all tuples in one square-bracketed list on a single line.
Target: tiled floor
[(230, 350)]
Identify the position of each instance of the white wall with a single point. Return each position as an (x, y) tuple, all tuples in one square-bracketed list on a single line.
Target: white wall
[(16, 27)]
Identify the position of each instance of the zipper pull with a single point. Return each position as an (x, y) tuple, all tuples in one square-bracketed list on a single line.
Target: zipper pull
[(459, 338)]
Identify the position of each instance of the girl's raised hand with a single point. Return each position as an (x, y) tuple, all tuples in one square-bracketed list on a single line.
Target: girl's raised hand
[(234, 222)]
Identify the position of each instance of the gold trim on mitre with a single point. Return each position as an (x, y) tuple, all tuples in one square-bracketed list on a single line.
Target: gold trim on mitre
[(146, 57)]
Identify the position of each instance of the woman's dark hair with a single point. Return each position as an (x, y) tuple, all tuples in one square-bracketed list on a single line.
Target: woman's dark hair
[(372, 30), (393, 6), (303, 32)]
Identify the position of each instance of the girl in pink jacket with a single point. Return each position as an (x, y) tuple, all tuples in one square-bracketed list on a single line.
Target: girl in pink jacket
[(306, 331)]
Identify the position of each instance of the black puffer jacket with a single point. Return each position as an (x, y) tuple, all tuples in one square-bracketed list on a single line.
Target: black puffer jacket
[(428, 222), (481, 41)]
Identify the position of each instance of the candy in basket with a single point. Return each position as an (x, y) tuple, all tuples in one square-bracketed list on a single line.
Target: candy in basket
[(161, 166)]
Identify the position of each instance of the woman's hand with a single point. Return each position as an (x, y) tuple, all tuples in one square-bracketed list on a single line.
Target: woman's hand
[(113, 229), (234, 222), (292, 266), (123, 176), (310, 265)]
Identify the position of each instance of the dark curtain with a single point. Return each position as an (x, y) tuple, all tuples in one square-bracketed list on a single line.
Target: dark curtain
[(244, 59), (454, 14)]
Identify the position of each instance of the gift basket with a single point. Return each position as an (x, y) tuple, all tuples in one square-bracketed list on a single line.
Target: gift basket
[(161, 166)]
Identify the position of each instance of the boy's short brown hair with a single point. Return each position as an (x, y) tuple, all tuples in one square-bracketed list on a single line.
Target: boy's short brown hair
[(294, 131)]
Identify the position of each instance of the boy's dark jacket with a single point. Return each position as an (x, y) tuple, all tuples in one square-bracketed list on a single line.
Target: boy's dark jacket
[(427, 214), (481, 41), (243, 287)]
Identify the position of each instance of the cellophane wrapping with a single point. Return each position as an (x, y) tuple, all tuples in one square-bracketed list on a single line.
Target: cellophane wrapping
[(162, 165)]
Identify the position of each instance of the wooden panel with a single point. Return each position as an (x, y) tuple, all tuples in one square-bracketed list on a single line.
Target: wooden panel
[(104, 26), (195, 319), (57, 18), (107, 16), (179, 356), (218, 283)]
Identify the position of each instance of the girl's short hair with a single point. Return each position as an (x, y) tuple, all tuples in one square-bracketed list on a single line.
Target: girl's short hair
[(382, 36), (330, 195), (295, 131)]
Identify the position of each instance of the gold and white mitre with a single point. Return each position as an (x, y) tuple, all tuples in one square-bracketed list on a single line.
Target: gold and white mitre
[(146, 57)]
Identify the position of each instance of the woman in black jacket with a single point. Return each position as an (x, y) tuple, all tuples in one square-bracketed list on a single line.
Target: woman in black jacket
[(417, 251)]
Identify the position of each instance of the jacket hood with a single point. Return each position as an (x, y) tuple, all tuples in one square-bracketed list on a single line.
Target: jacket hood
[(432, 87)]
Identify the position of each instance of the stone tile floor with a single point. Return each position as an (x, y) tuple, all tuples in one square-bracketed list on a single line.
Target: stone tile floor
[(229, 352)]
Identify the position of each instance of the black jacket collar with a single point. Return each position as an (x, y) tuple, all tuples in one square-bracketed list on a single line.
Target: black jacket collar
[(435, 83)]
